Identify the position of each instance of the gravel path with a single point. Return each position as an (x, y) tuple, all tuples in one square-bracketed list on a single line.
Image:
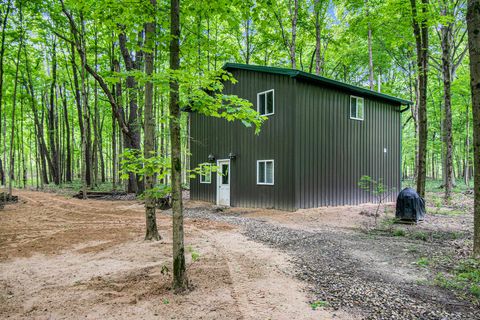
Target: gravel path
[(329, 262)]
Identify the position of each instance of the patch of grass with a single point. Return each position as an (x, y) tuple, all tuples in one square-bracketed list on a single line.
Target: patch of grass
[(319, 304), (432, 185), (399, 232), (423, 262), (465, 277), (419, 235), (445, 211), (387, 222), (165, 301)]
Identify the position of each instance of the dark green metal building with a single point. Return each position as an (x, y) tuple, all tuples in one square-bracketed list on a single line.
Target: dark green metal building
[(320, 138)]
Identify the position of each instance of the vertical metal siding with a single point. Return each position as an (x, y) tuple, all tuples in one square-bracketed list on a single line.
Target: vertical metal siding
[(319, 152), (219, 137), (334, 151)]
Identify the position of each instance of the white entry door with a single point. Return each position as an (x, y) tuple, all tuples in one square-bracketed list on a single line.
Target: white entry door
[(223, 183)]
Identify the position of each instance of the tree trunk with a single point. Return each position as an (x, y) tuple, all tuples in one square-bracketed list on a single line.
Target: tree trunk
[(52, 120), (96, 119), (149, 134), (131, 141), (118, 97), (179, 271), (68, 169), (43, 154), (446, 32), (370, 53), (473, 25), (14, 102), (81, 124), (294, 35), (318, 30), (2, 52), (466, 174), (420, 30), (85, 111)]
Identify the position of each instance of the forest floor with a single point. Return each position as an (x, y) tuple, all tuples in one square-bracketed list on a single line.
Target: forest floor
[(69, 258)]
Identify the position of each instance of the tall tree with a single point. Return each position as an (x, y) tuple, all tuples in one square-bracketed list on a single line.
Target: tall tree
[(290, 44), (370, 50), (68, 167), (52, 120), (133, 140), (420, 31), (453, 51), (473, 25), (179, 271), (11, 173), (5, 13), (149, 127), (446, 39)]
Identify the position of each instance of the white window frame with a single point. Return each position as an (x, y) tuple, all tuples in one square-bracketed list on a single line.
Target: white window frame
[(350, 108), (273, 172), (202, 176), (273, 102)]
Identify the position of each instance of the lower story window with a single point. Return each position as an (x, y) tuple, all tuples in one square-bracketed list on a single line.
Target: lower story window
[(265, 172), (206, 175)]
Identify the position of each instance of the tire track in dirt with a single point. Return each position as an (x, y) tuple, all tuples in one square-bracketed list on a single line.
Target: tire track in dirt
[(238, 297)]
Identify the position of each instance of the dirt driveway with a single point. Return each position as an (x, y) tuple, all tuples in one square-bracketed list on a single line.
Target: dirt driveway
[(65, 258), (69, 259)]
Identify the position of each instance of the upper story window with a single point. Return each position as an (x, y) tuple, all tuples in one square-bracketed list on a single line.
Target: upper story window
[(356, 108), (265, 102), (206, 175), (265, 170)]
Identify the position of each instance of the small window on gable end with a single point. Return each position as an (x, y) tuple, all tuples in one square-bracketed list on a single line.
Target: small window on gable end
[(356, 108), (206, 175), (266, 103), (265, 172)]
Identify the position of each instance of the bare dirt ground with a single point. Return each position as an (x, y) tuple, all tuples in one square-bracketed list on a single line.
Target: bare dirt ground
[(382, 272), (65, 258)]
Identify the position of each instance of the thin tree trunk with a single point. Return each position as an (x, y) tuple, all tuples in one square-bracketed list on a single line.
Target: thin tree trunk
[(179, 271), (2, 52), (118, 95), (85, 112), (247, 41), (420, 30), (473, 25), (44, 155), (114, 127), (293, 44), (52, 120), (317, 38), (466, 173), (446, 32), (96, 116), (14, 102), (68, 170), (370, 51), (149, 134), (81, 123)]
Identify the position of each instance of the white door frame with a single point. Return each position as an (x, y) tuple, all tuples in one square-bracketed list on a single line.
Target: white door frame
[(219, 179)]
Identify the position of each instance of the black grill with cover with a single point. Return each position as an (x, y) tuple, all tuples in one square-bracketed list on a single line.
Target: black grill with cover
[(410, 206)]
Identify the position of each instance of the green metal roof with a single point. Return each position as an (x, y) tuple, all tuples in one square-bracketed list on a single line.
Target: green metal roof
[(318, 79)]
